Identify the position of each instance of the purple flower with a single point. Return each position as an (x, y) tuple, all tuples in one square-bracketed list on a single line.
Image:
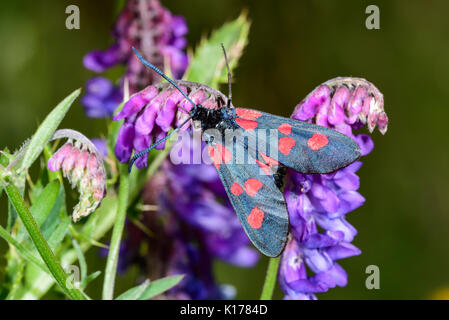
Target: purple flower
[(155, 32), (149, 114), (317, 204), (101, 98), (101, 146)]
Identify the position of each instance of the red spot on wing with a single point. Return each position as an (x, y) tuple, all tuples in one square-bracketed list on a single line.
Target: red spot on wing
[(252, 186), (317, 141), (226, 155), (264, 167), (270, 161), (246, 124), (255, 218), (285, 128), (213, 156), (286, 144), (248, 114), (268, 164), (236, 189), (219, 154)]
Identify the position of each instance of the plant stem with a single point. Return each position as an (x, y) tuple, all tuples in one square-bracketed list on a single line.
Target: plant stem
[(41, 244), (270, 279), (117, 231)]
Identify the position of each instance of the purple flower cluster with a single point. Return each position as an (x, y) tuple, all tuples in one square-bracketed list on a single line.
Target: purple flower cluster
[(199, 226), (320, 202), (155, 32), (151, 113), (101, 98)]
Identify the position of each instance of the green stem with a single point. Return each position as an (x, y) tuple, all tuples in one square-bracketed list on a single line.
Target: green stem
[(39, 241), (270, 279), (117, 231)]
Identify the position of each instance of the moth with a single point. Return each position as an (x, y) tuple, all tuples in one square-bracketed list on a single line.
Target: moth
[(252, 163)]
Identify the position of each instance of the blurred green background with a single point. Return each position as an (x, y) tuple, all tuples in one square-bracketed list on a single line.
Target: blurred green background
[(293, 46)]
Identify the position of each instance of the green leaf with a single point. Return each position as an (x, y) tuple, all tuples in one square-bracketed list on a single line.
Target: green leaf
[(159, 286), (208, 65), (59, 233), (81, 258), (45, 201), (46, 130), (43, 205), (90, 278), (24, 252), (57, 213), (148, 290), (134, 293)]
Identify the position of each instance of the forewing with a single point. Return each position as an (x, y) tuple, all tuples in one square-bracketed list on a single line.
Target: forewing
[(302, 146)]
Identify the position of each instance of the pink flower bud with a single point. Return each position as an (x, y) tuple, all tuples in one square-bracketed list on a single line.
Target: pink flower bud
[(322, 114), (338, 104), (132, 106), (365, 109), (210, 103), (382, 122), (82, 165), (92, 165), (70, 160), (311, 105), (356, 102), (55, 162), (149, 93), (197, 97)]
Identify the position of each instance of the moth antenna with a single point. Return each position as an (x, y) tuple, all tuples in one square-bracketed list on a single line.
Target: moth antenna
[(156, 69), (229, 77)]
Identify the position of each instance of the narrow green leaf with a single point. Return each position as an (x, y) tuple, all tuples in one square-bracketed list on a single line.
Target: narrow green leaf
[(90, 278), (17, 281), (57, 213), (159, 286), (59, 233), (134, 293), (24, 252), (45, 201), (12, 216), (81, 258), (117, 232), (208, 65), (46, 130)]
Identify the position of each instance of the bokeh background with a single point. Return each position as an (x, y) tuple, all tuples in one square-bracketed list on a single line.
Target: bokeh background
[(294, 46)]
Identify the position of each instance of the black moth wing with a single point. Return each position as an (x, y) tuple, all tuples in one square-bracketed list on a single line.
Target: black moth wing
[(256, 199)]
